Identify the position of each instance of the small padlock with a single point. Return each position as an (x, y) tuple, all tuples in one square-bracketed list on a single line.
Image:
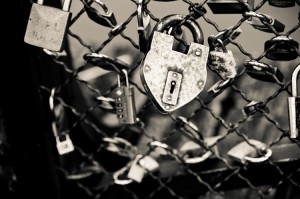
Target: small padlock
[(263, 72), (294, 105), (106, 103), (47, 26), (254, 153), (222, 61), (125, 101), (63, 141), (283, 3), (144, 27), (105, 19), (230, 6), (64, 144), (281, 48), (140, 166), (106, 62), (171, 78), (193, 153), (252, 106), (263, 22)]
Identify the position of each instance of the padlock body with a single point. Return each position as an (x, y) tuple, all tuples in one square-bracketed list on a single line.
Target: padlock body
[(229, 6), (294, 116), (161, 59), (64, 146), (277, 25), (283, 50), (223, 63), (262, 74), (282, 3), (125, 105), (46, 27)]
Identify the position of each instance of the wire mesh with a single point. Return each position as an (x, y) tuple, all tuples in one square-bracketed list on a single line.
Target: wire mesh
[(244, 110)]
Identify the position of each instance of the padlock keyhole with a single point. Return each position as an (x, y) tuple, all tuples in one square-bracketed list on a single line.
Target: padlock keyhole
[(173, 84)]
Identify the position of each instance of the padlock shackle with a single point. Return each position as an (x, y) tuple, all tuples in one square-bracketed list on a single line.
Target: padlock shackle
[(40, 2), (174, 20), (66, 5), (294, 80)]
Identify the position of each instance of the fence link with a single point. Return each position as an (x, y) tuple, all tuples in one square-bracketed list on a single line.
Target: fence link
[(181, 154)]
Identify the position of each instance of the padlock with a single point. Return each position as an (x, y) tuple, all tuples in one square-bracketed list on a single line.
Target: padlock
[(263, 22), (106, 103), (252, 106), (143, 27), (294, 105), (263, 71), (255, 152), (281, 48), (230, 6), (222, 61), (283, 3), (140, 166), (64, 144), (193, 153), (63, 141), (47, 26), (106, 62), (125, 101), (171, 78), (105, 19)]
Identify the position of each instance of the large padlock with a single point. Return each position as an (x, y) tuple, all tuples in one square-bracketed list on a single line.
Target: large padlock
[(294, 105), (230, 6), (281, 48), (171, 78), (47, 26), (283, 3)]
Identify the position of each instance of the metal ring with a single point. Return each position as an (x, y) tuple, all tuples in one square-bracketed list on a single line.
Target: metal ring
[(263, 158), (122, 144), (164, 146), (198, 159), (117, 174)]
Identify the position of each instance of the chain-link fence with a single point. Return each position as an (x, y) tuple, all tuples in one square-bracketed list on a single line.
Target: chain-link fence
[(186, 153)]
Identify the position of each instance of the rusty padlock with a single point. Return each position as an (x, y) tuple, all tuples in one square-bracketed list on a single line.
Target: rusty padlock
[(47, 26), (171, 78)]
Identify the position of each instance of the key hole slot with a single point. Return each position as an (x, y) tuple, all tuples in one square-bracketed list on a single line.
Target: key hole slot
[(173, 84)]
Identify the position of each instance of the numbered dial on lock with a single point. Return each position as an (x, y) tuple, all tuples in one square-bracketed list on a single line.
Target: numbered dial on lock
[(171, 78)]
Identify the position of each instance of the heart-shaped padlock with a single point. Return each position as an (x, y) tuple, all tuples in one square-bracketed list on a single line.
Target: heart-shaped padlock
[(171, 78)]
